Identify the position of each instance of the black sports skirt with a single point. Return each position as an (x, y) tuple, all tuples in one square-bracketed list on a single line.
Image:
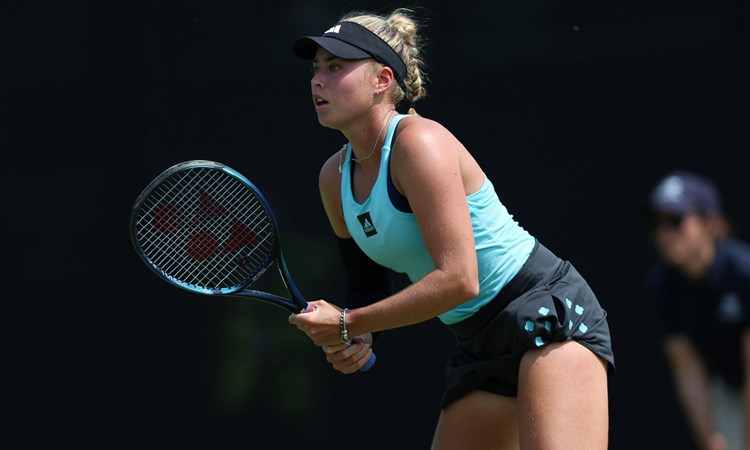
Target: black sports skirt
[(547, 301)]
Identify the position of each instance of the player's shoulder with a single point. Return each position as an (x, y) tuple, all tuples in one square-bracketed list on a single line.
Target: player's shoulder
[(417, 137), (415, 126), (329, 173)]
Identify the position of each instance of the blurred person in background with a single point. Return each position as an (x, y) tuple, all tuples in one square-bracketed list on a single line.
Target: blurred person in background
[(701, 288)]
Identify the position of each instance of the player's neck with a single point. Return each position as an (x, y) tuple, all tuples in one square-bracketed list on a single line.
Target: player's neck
[(367, 141)]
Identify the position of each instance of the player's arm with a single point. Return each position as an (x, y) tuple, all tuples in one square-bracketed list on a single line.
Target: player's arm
[(366, 281), (426, 166), (692, 386), (329, 184)]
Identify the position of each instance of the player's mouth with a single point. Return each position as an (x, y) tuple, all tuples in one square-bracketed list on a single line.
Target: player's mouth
[(319, 102)]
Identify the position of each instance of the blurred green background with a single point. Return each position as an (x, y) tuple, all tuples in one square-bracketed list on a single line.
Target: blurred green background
[(574, 109)]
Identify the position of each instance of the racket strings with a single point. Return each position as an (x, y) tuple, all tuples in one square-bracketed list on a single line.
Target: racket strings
[(206, 228)]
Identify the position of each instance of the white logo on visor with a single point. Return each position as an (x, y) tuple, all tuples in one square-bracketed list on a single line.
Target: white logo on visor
[(334, 29)]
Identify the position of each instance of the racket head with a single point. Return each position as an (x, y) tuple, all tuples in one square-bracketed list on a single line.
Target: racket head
[(204, 227)]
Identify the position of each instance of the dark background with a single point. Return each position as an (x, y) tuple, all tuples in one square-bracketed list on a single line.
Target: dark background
[(574, 109)]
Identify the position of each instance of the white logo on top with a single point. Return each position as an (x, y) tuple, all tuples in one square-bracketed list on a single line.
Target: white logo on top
[(333, 29)]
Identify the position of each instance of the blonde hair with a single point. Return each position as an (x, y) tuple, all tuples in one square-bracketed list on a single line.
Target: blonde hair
[(399, 30)]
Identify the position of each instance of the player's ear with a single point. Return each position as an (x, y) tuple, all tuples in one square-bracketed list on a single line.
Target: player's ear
[(385, 78)]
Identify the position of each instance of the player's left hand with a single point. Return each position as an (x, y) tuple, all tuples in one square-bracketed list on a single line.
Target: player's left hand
[(320, 325)]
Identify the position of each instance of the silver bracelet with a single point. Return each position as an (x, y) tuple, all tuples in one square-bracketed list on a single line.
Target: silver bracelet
[(342, 326)]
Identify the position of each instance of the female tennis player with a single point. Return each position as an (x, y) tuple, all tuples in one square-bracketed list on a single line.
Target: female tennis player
[(533, 346)]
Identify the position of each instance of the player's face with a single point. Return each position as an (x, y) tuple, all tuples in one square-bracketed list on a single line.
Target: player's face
[(680, 239), (341, 88)]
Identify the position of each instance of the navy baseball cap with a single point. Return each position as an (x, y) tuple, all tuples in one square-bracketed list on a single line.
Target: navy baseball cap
[(349, 40), (682, 192)]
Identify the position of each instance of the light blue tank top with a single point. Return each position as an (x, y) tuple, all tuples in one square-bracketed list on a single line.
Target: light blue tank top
[(392, 238)]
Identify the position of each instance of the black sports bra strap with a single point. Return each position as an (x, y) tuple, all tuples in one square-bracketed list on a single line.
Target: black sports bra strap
[(398, 200)]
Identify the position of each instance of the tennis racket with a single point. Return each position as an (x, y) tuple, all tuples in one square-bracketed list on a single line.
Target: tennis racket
[(205, 228)]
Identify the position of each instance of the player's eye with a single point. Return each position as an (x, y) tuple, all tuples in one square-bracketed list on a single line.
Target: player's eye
[(329, 68)]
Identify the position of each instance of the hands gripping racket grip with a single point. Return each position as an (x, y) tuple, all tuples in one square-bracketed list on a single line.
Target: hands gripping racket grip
[(370, 362)]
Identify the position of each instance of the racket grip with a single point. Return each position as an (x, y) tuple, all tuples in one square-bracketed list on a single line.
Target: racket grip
[(368, 364)]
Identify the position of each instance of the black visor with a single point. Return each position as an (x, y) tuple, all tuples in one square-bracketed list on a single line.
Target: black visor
[(349, 40)]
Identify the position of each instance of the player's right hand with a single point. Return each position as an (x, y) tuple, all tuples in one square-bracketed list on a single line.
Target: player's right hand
[(349, 358)]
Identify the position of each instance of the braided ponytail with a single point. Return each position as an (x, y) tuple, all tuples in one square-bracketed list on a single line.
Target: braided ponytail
[(399, 30)]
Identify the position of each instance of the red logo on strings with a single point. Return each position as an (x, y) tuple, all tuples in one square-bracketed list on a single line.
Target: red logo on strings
[(204, 244), (168, 219), (209, 209), (241, 237)]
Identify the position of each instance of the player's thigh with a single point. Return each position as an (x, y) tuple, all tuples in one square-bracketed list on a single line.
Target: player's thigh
[(481, 420), (562, 398)]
